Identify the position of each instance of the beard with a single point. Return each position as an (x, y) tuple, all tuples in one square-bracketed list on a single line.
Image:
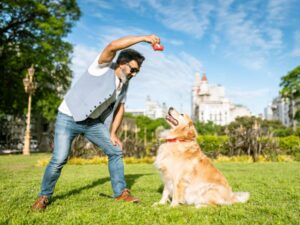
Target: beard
[(124, 77)]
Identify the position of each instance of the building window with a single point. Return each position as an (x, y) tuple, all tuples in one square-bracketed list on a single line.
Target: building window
[(197, 112)]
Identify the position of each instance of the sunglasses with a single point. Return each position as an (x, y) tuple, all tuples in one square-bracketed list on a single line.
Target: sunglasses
[(133, 69)]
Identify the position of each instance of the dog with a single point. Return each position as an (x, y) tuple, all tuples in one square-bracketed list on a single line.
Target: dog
[(188, 175)]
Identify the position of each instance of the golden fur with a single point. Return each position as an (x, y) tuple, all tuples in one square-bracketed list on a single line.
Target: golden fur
[(189, 176)]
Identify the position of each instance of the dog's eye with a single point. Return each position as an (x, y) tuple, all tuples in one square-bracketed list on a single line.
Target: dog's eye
[(181, 114)]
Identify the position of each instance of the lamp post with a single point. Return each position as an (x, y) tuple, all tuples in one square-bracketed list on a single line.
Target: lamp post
[(136, 131), (30, 87), (125, 128)]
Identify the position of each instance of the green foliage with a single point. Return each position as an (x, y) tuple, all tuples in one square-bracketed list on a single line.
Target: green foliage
[(290, 84), (149, 126), (82, 195), (249, 159), (297, 131), (246, 122), (251, 136), (290, 145), (207, 128), (32, 32), (213, 145), (284, 132)]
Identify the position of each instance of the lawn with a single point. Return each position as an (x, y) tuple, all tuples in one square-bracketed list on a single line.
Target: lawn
[(83, 193)]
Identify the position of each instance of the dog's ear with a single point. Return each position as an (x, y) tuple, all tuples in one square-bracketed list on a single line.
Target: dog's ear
[(191, 133), (191, 130), (186, 132)]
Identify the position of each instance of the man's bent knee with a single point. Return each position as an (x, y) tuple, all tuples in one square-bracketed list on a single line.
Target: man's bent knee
[(113, 152)]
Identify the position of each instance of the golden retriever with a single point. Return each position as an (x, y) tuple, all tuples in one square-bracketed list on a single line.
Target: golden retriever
[(189, 176)]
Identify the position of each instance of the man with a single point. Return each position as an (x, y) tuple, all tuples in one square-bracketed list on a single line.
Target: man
[(94, 107)]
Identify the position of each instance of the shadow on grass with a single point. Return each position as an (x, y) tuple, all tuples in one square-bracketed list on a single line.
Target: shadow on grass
[(130, 180), (160, 189)]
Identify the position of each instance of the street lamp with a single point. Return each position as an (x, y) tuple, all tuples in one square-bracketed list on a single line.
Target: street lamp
[(125, 128), (136, 131), (30, 87)]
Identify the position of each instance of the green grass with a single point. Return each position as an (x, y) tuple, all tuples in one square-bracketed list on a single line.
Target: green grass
[(82, 195)]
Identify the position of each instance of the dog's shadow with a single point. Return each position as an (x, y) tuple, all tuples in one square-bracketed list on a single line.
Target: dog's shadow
[(130, 180), (160, 189)]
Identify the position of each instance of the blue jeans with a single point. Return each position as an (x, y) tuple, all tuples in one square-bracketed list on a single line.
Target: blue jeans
[(66, 129)]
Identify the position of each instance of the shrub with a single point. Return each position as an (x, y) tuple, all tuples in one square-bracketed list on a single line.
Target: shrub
[(249, 159), (282, 132), (98, 160), (290, 145), (213, 145)]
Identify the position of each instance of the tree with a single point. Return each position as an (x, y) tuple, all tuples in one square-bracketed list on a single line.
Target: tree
[(251, 136), (31, 32), (290, 84), (207, 128), (149, 126)]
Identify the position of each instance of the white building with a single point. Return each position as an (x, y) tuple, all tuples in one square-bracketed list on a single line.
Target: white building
[(209, 103), (268, 113), (153, 109), (281, 109)]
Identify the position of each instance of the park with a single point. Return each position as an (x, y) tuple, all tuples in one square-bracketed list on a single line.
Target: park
[(83, 195), (67, 110)]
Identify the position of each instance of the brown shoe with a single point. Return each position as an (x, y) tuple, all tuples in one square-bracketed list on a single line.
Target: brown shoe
[(126, 196), (41, 203)]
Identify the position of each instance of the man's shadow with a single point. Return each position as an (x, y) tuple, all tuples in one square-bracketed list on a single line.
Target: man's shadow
[(130, 180)]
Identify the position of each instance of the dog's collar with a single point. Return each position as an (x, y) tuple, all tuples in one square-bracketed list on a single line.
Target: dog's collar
[(174, 140)]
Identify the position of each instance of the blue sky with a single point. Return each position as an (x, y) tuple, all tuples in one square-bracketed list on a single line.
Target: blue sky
[(246, 46)]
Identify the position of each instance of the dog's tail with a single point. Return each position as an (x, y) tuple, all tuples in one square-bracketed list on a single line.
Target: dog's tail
[(242, 197)]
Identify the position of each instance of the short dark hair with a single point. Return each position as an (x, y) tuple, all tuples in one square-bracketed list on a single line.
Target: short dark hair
[(127, 55)]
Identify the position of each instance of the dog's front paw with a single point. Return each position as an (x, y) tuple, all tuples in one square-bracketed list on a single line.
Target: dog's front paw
[(155, 204), (174, 204), (159, 203)]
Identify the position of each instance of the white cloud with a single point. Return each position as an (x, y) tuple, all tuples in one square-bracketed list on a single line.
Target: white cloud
[(100, 3), (254, 99), (296, 51), (243, 32), (249, 41), (185, 16), (98, 15), (175, 42), (277, 11), (133, 3), (82, 57), (247, 94)]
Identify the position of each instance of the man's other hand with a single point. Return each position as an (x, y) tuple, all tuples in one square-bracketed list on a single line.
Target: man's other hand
[(115, 140)]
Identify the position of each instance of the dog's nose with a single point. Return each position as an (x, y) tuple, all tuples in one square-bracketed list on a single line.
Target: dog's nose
[(170, 109)]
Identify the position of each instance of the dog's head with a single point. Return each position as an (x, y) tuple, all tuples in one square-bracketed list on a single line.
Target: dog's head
[(181, 125)]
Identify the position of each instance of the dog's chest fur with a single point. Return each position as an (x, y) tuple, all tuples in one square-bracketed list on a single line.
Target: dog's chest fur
[(171, 160)]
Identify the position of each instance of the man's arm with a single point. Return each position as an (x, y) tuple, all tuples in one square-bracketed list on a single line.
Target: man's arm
[(111, 49), (118, 117)]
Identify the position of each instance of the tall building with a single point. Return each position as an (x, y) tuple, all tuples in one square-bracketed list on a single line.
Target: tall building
[(153, 109), (284, 110), (209, 103)]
